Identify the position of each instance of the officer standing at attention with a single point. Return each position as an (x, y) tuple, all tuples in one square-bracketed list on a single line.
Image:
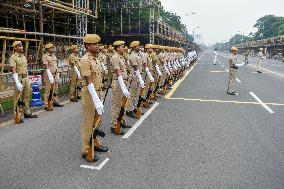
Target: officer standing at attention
[(135, 68), (19, 68), (233, 64), (260, 60), (119, 79), (75, 74), (92, 106), (51, 76)]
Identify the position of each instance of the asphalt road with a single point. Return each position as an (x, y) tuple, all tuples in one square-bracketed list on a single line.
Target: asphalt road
[(198, 137)]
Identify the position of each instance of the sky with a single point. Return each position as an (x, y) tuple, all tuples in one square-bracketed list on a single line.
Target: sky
[(219, 20)]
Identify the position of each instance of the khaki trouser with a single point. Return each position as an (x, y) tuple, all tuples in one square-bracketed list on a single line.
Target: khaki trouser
[(134, 88), (48, 87), (117, 99), (232, 79), (259, 63), (73, 84), (163, 78), (89, 114), (26, 94), (147, 86)]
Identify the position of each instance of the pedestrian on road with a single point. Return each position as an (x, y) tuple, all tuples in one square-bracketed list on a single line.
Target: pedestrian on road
[(215, 57)]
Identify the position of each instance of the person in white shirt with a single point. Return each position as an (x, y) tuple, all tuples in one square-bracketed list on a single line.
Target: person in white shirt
[(215, 56)]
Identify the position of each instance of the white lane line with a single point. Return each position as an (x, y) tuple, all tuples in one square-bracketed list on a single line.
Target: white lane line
[(227, 70), (238, 80), (138, 123), (200, 57), (261, 103), (93, 167), (217, 71), (268, 71)]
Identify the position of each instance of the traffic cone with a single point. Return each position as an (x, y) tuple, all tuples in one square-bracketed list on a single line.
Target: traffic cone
[(36, 99)]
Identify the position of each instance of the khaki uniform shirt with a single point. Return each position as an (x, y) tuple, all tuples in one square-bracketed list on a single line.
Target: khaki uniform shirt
[(51, 61), (260, 55), (118, 62), (103, 58), (161, 57), (232, 60), (20, 62), (91, 66), (135, 59), (155, 59), (73, 61)]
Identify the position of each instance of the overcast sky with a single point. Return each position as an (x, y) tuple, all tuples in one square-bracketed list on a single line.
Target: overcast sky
[(221, 19)]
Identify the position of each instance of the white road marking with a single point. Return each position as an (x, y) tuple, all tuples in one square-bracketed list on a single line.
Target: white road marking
[(268, 71), (238, 80), (227, 70), (217, 71), (261, 103), (200, 57), (93, 167), (140, 121)]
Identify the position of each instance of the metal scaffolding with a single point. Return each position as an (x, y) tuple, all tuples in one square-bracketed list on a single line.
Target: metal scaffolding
[(152, 22), (81, 23)]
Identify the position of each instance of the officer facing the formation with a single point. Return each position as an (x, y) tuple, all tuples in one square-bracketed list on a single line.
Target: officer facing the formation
[(75, 75), (135, 67), (118, 85), (260, 60), (92, 106), (246, 57), (233, 64), (19, 68), (51, 75)]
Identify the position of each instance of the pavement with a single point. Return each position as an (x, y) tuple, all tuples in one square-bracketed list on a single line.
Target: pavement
[(195, 137)]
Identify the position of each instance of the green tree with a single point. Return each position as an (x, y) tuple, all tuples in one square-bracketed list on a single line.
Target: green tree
[(268, 26)]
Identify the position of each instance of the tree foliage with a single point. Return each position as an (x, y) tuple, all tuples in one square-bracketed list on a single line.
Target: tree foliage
[(267, 26)]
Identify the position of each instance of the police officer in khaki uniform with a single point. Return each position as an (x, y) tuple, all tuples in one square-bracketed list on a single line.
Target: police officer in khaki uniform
[(51, 75), (75, 76), (135, 69), (156, 64), (162, 59), (147, 62), (19, 68), (233, 64), (92, 105), (246, 57), (260, 60), (119, 81), (103, 59)]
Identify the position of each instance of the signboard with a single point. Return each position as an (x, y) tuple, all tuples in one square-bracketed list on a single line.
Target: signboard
[(36, 78)]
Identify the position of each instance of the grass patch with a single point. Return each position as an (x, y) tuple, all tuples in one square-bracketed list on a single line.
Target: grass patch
[(8, 104)]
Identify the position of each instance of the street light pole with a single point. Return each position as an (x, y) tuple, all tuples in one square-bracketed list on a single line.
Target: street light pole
[(186, 15)]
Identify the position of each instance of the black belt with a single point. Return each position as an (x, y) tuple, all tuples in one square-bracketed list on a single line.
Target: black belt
[(234, 67)]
